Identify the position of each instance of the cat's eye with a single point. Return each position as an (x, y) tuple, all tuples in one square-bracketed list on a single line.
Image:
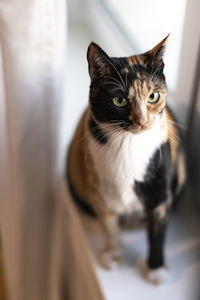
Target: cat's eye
[(154, 97), (120, 102)]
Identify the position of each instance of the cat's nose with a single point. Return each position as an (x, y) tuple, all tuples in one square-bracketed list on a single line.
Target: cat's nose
[(141, 121)]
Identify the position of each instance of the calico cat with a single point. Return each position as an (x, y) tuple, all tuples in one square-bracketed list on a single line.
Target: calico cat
[(125, 158)]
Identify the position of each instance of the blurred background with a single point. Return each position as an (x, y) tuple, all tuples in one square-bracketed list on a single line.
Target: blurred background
[(44, 89)]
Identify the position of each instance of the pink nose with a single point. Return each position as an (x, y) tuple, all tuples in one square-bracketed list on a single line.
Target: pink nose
[(141, 122)]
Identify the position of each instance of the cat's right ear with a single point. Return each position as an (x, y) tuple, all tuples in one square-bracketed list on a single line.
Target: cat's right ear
[(98, 61)]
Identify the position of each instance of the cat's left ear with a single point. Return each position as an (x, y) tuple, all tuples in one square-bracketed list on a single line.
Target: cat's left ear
[(155, 55), (98, 61)]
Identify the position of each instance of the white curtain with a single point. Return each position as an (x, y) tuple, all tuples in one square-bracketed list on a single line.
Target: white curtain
[(44, 251)]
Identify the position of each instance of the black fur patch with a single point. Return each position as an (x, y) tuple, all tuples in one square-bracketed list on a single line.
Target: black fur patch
[(126, 124), (101, 99), (156, 237), (120, 62), (154, 189), (97, 132)]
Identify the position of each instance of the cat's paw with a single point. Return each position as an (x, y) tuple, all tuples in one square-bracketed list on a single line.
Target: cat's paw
[(156, 276), (110, 259)]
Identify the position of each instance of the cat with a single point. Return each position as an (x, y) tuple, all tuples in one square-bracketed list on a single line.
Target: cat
[(125, 158)]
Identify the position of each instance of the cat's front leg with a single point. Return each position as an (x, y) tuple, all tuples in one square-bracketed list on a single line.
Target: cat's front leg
[(156, 270), (111, 256)]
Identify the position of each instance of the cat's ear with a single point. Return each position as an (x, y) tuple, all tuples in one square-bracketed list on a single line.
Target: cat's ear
[(155, 55), (98, 61)]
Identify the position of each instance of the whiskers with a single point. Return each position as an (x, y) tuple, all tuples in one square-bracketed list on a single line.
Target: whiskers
[(116, 83), (119, 75), (172, 132), (153, 73), (177, 124), (103, 154), (92, 139)]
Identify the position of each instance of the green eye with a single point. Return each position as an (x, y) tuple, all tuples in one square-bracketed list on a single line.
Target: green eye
[(120, 102), (154, 97)]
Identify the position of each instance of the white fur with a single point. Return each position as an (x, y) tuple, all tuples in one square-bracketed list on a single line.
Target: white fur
[(120, 162), (157, 276)]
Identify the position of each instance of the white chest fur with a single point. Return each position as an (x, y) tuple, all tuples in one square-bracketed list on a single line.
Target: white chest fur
[(120, 162)]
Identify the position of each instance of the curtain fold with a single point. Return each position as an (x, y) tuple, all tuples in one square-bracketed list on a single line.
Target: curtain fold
[(45, 255)]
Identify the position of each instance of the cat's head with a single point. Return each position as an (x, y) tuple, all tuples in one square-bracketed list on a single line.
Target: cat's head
[(129, 92)]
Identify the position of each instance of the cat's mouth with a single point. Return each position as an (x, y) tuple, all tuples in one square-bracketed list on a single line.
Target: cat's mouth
[(136, 129)]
